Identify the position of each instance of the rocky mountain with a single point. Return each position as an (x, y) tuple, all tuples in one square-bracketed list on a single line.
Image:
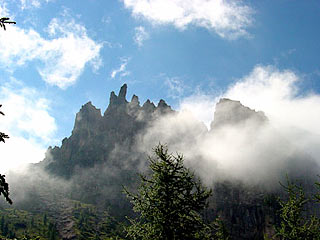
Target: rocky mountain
[(100, 157), (95, 137), (230, 112)]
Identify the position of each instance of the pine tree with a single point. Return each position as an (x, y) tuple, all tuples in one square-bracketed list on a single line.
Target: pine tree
[(294, 223), (45, 219), (2, 222), (169, 202), (4, 187)]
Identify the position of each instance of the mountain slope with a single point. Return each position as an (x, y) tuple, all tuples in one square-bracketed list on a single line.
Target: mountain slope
[(105, 152)]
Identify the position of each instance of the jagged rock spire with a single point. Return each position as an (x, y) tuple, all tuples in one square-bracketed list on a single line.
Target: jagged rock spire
[(163, 104), (135, 101), (113, 98), (148, 106), (123, 92), (121, 98), (87, 118)]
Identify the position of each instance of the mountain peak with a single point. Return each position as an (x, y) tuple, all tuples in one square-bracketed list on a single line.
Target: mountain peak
[(231, 112), (135, 100), (87, 117), (148, 106), (162, 104), (120, 99), (123, 92)]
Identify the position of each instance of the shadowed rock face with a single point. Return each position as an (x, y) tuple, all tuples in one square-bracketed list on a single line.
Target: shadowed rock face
[(99, 157), (229, 112), (94, 136), (88, 119)]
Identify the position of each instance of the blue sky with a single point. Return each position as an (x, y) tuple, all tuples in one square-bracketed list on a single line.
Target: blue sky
[(62, 54)]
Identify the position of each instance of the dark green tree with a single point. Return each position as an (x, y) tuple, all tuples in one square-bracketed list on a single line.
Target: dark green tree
[(3, 136), (4, 187), (295, 224), (221, 232), (45, 219), (169, 202), (2, 222)]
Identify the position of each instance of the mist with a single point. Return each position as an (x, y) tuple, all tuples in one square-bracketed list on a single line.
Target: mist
[(250, 151)]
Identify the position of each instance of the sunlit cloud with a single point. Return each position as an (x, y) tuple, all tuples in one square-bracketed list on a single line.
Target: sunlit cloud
[(3, 9), (253, 152), (277, 93), (176, 87), (59, 59), (229, 19), (27, 4), (201, 106), (28, 123), (121, 70), (140, 35)]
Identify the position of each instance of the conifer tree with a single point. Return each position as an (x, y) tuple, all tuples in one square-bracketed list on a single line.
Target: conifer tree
[(169, 202), (4, 187), (294, 223)]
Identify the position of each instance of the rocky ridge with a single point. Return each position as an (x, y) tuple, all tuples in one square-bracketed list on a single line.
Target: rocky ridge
[(99, 157), (230, 112), (94, 136)]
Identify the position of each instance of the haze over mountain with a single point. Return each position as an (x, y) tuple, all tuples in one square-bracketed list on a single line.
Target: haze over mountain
[(241, 152), (241, 79), (240, 144)]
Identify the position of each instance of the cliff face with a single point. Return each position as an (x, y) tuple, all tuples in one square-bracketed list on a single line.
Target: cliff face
[(99, 158), (229, 112), (94, 136)]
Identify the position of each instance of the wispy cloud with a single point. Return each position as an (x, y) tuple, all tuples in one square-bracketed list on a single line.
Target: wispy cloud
[(121, 70), (27, 4), (251, 152), (3, 9), (229, 19), (61, 58), (277, 93), (106, 19), (175, 86), (140, 35), (27, 121), (201, 106)]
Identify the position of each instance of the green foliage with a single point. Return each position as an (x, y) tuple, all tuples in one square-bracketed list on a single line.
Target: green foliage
[(94, 224), (4, 187), (317, 196), (169, 202), (221, 232), (25, 225), (294, 223), (45, 219)]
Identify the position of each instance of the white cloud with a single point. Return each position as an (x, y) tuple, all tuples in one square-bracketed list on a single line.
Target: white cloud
[(28, 123), (27, 4), (121, 70), (277, 94), (254, 153), (62, 57), (201, 106), (175, 87), (140, 35), (227, 18), (3, 10), (106, 19)]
